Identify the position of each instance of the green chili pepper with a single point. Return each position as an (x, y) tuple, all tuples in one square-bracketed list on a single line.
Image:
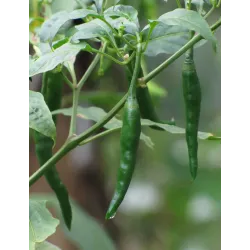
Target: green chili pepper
[(52, 92), (192, 98), (129, 142), (145, 102)]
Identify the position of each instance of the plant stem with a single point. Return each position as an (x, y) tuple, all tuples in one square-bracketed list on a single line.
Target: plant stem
[(178, 3), (148, 36), (209, 13), (218, 5), (102, 122), (69, 83), (88, 72), (72, 129), (74, 142), (76, 93), (144, 65), (114, 59), (176, 55), (72, 74), (106, 132)]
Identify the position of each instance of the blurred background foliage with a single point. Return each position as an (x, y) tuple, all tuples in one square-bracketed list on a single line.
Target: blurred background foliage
[(163, 209)]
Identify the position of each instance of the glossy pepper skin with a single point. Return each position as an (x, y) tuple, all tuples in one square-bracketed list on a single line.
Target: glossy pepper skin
[(52, 92), (129, 142), (192, 98), (145, 102)]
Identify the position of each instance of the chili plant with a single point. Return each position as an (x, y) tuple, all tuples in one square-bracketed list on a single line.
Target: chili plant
[(117, 32)]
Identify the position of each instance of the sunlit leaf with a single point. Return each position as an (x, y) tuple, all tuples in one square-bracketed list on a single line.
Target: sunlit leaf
[(86, 232), (40, 118), (93, 29), (96, 114), (189, 19), (165, 39), (98, 4), (41, 223), (51, 26), (46, 246), (123, 15), (63, 54)]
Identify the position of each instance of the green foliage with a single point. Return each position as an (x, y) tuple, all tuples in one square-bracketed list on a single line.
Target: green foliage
[(41, 225), (50, 61), (85, 231), (46, 246), (93, 29), (96, 114), (165, 39), (190, 20), (57, 42), (40, 118)]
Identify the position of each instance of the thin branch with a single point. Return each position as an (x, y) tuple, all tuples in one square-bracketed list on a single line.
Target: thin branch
[(88, 72), (178, 3), (74, 141), (106, 132), (69, 83), (114, 59), (209, 12), (72, 129)]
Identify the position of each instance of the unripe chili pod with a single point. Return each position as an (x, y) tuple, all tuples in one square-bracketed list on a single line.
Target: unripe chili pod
[(129, 142), (52, 92), (192, 98)]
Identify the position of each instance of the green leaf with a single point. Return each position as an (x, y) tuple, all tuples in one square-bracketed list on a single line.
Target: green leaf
[(98, 4), (177, 130), (96, 114), (41, 223), (117, 23), (126, 11), (190, 20), (125, 16), (93, 29), (165, 39), (46, 246), (86, 232), (50, 60), (40, 118), (50, 27)]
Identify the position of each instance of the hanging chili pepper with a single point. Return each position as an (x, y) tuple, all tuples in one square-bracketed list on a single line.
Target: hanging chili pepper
[(192, 98), (52, 92), (129, 141)]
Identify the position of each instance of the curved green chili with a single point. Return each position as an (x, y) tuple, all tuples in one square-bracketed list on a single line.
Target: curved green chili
[(192, 98), (52, 92), (145, 101), (129, 142)]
